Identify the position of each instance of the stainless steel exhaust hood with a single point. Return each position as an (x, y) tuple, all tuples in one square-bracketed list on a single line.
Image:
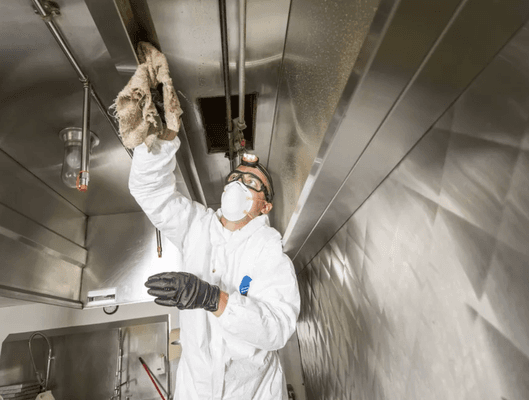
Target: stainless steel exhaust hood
[(311, 64), (43, 96)]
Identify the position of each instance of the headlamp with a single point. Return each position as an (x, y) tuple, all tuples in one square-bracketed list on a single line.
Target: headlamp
[(251, 160)]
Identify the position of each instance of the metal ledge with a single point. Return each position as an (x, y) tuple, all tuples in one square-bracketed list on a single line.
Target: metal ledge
[(20, 228), (27, 295)]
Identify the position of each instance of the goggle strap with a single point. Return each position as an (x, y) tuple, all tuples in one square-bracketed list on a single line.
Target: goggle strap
[(269, 196)]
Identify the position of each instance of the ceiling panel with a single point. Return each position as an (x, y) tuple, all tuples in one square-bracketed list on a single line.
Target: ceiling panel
[(40, 94)]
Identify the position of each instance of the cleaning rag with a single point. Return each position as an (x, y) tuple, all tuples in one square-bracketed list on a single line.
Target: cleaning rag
[(135, 106)]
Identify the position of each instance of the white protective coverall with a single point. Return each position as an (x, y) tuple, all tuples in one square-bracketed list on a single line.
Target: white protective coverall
[(233, 356)]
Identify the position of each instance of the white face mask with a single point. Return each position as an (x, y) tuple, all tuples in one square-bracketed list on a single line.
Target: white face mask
[(236, 201)]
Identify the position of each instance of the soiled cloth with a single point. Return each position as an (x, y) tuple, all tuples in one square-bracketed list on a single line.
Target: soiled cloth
[(234, 356), (139, 121)]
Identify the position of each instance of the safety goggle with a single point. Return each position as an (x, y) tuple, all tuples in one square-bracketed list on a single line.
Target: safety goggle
[(251, 181)]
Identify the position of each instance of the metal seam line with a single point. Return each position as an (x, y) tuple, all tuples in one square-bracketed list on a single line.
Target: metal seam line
[(279, 80)]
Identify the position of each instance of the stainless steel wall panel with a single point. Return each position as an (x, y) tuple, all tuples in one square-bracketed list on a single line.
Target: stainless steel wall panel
[(122, 255), (514, 226), (423, 292), (385, 66), (189, 34), (15, 296), (15, 226), (323, 43), (115, 35), (30, 269), (451, 65), (22, 192)]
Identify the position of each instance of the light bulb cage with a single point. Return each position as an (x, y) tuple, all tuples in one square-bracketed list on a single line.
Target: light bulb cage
[(75, 135)]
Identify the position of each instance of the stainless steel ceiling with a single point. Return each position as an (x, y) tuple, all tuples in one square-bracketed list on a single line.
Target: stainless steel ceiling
[(40, 94), (322, 45)]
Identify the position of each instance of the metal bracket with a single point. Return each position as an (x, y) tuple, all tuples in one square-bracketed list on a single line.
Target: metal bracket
[(51, 8)]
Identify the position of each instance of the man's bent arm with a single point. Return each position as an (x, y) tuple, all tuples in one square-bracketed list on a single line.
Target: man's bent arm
[(153, 185), (223, 302), (266, 318)]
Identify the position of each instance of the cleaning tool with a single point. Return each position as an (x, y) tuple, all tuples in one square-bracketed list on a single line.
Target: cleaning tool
[(148, 105)]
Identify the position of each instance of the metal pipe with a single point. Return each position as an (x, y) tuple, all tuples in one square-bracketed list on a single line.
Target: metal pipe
[(85, 142), (119, 369), (159, 243), (48, 367), (58, 37), (242, 60), (226, 74), (225, 62), (120, 361), (47, 18)]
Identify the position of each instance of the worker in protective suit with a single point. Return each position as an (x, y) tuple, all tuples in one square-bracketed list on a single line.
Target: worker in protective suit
[(237, 289)]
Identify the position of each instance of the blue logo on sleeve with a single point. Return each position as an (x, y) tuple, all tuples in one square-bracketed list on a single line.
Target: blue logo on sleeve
[(245, 285)]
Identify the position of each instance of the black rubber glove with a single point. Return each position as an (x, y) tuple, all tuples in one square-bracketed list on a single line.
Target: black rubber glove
[(183, 290)]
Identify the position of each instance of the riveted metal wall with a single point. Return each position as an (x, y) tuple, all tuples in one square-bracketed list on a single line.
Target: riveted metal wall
[(423, 293)]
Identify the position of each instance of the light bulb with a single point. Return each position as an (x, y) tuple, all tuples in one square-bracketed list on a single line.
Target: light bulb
[(73, 158), (71, 165)]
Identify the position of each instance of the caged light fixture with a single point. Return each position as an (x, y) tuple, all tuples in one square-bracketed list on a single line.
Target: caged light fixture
[(71, 165)]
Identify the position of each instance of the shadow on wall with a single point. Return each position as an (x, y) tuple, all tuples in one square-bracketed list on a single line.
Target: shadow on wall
[(424, 291)]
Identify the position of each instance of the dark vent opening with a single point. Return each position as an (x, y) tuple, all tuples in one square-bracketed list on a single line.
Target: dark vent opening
[(213, 110)]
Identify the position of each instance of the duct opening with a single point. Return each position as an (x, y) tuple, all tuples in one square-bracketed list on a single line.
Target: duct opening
[(213, 111)]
